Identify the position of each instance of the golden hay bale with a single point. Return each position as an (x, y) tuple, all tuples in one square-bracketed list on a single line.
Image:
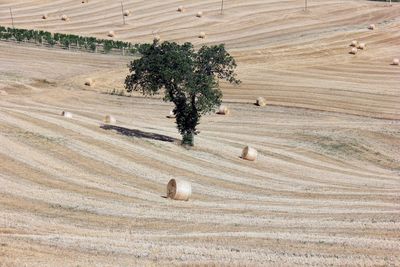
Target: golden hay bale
[(396, 61), (249, 153), (181, 9), (179, 190), (202, 35), (4, 93), (199, 14), (354, 43), (111, 34), (354, 51), (45, 16), (223, 110), (64, 18), (156, 38), (171, 114), (109, 119), (66, 114), (261, 102), (362, 46), (371, 27), (89, 82), (127, 13)]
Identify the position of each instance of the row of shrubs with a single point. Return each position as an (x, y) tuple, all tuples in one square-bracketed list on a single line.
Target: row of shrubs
[(64, 40)]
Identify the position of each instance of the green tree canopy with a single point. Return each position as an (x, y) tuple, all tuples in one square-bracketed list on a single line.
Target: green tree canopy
[(188, 78)]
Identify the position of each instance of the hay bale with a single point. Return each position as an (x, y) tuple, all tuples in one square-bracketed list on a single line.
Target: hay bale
[(111, 34), (249, 153), (396, 62), (181, 9), (223, 110), (354, 43), (66, 114), (202, 35), (109, 119), (64, 18), (354, 51), (156, 38), (199, 14), (371, 27), (45, 16), (179, 190), (171, 114), (127, 13), (3, 93), (89, 82), (261, 102), (362, 46)]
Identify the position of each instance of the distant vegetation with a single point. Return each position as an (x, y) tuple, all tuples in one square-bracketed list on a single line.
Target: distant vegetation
[(64, 40)]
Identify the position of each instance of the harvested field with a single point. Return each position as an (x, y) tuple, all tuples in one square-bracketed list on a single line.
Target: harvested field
[(324, 190)]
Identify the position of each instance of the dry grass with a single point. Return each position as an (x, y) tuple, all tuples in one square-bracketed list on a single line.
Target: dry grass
[(324, 189)]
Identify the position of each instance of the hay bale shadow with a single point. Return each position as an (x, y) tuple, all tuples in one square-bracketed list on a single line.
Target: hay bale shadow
[(138, 133)]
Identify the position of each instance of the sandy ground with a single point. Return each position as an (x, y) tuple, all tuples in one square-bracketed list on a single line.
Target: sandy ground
[(325, 189)]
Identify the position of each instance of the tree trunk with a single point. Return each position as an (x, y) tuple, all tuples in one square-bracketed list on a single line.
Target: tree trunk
[(188, 138)]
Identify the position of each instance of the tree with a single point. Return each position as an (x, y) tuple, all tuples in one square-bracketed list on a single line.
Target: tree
[(188, 78)]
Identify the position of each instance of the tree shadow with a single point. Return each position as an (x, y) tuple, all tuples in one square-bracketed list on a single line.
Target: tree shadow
[(138, 133)]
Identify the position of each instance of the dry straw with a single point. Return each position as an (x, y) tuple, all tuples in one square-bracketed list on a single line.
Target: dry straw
[(171, 114), (261, 102), (111, 34), (179, 190), (64, 18), (223, 110), (249, 153), (89, 82), (202, 35), (354, 51), (4, 93), (396, 61), (66, 114)]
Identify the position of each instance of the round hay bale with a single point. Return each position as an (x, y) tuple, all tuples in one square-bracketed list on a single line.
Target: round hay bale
[(109, 119), (127, 13), (202, 35), (371, 27), (249, 153), (111, 34), (362, 46), (396, 61), (64, 18), (4, 93), (66, 114), (199, 14), (179, 190), (171, 114), (223, 110), (354, 51), (89, 82), (354, 43), (261, 102), (45, 16), (156, 38), (181, 9)]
